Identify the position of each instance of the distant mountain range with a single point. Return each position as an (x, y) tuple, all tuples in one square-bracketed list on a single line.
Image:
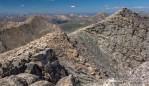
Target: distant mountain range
[(68, 22), (16, 17), (82, 21)]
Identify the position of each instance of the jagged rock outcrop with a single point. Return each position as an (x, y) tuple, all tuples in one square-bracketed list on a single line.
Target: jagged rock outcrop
[(13, 35)]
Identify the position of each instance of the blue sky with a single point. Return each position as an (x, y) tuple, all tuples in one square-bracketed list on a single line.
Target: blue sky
[(71, 6)]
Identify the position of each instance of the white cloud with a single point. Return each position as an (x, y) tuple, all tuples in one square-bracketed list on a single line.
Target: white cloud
[(50, 0), (116, 7), (1, 6), (22, 5), (47, 0), (72, 6), (107, 5), (113, 8), (140, 7)]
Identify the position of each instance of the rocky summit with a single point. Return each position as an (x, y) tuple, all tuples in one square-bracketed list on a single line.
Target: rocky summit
[(113, 52)]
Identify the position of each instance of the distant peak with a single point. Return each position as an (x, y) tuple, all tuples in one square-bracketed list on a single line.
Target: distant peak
[(123, 9), (124, 12), (34, 18)]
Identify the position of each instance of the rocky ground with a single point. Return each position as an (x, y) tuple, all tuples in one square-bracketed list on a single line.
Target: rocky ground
[(113, 52)]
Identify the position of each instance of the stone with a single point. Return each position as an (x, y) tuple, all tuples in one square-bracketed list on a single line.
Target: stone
[(56, 71), (29, 78), (67, 81), (15, 71), (92, 70), (45, 56), (13, 81), (82, 60), (42, 83), (24, 58), (33, 68)]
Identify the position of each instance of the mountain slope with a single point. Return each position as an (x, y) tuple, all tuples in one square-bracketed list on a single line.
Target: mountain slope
[(122, 37), (13, 35)]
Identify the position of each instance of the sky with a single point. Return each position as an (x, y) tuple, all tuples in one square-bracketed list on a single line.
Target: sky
[(71, 6)]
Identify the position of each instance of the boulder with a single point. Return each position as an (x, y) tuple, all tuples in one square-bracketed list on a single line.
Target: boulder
[(33, 68), (15, 71), (29, 78), (42, 83), (68, 81), (13, 81), (56, 71), (45, 56)]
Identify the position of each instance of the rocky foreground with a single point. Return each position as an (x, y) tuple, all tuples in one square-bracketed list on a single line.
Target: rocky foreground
[(113, 52)]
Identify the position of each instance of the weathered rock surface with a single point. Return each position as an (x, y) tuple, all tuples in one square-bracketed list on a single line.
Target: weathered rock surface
[(140, 77), (13, 35)]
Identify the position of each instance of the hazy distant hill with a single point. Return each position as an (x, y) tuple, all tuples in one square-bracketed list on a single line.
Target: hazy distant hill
[(82, 22), (143, 14)]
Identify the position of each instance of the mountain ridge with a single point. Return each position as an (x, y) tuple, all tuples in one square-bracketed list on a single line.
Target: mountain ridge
[(110, 33), (22, 33)]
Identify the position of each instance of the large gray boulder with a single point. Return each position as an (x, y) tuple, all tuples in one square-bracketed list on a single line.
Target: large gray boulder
[(33, 68)]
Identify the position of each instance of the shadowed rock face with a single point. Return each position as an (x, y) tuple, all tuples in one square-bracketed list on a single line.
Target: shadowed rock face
[(113, 48), (14, 35)]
